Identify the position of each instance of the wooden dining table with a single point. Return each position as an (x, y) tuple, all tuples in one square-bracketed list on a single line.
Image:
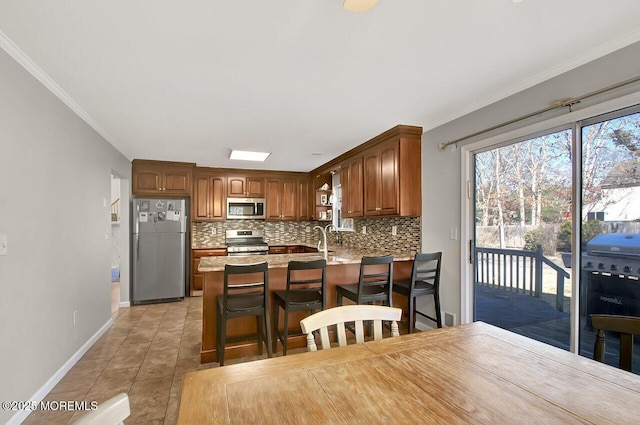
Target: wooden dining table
[(468, 374)]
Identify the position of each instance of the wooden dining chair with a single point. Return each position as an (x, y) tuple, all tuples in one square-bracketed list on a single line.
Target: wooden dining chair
[(338, 316), (626, 326), (244, 296), (306, 289), (424, 280), (374, 283), (111, 412)]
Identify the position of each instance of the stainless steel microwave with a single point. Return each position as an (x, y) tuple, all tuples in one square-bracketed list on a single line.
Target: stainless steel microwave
[(245, 208)]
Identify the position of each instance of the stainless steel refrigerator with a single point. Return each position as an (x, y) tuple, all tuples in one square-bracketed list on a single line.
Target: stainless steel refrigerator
[(160, 240)]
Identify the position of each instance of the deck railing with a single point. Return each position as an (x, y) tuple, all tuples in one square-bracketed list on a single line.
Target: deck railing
[(517, 270)]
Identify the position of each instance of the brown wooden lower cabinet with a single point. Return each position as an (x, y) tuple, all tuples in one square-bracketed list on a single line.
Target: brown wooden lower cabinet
[(197, 278), (214, 285)]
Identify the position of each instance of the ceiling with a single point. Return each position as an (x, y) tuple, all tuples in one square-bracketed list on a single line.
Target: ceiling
[(303, 79)]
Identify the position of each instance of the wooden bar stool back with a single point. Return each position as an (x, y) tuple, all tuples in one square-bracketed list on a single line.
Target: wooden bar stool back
[(626, 326), (245, 294), (425, 280), (374, 283), (306, 289)]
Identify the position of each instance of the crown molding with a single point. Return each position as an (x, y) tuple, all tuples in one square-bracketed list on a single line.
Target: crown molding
[(23, 59)]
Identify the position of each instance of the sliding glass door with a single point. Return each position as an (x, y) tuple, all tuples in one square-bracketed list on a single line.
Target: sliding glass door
[(609, 243), (531, 274), (522, 211)]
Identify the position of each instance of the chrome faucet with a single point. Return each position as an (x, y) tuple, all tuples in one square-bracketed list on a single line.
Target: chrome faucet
[(335, 229), (324, 237)]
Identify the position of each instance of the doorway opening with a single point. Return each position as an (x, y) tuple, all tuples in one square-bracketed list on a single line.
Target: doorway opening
[(116, 239)]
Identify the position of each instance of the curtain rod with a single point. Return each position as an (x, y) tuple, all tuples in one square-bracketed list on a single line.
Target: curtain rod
[(560, 103)]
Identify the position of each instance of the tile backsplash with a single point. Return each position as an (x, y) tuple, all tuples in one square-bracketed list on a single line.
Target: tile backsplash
[(378, 233)]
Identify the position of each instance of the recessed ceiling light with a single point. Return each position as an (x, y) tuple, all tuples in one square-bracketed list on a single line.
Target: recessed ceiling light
[(316, 154), (248, 155), (359, 5)]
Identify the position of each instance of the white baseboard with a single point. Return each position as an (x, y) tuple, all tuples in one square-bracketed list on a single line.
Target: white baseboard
[(423, 326), (21, 415), (125, 303)]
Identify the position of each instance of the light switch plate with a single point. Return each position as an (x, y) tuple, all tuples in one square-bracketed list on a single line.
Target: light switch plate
[(3, 244)]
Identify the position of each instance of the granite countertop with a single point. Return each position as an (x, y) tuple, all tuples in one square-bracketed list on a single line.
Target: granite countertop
[(336, 256)]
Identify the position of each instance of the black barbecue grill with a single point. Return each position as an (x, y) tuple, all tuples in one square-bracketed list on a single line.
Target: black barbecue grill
[(611, 269)]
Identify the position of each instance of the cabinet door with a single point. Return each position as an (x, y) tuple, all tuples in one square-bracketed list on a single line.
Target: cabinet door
[(176, 181), (255, 187), (217, 198), (372, 184), (236, 186), (303, 199), (389, 179), (200, 198), (146, 180), (351, 181), (288, 200), (209, 198), (273, 200)]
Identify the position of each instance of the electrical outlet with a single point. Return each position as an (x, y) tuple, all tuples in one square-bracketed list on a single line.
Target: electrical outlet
[(3, 244), (213, 231), (307, 229), (364, 230), (394, 230), (453, 233), (75, 317)]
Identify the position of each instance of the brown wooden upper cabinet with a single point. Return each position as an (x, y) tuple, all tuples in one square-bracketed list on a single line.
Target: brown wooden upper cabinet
[(304, 200), (281, 200), (209, 196), (245, 187), (381, 183), (385, 178), (352, 185), (161, 178)]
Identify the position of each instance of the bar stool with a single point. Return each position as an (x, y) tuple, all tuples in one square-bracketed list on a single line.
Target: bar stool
[(425, 280), (373, 284), (244, 299), (305, 292)]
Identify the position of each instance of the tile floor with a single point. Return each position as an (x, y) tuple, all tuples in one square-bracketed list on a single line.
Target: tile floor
[(145, 354)]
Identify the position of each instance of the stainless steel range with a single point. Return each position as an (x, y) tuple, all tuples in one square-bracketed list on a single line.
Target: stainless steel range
[(246, 242), (611, 269)]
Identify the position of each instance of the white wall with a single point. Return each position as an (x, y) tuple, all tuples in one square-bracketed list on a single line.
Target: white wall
[(55, 174), (441, 170)]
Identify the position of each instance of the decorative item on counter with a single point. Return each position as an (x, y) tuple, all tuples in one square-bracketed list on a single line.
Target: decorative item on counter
[(329, 214), (323, 215), (324, 187), (324, 199)]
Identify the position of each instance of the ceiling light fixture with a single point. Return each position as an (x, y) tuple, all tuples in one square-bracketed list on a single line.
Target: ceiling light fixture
[(248, 155), (359, 5)]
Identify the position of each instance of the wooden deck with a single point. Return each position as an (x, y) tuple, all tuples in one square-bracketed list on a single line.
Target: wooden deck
[(493, 305)]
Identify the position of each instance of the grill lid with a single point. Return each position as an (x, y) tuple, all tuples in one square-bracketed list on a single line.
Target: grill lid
[(622, 245)]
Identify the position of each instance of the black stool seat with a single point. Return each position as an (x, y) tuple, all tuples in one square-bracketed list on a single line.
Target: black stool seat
[(425, 280), (242, 299), (374, 283), (306, 288)]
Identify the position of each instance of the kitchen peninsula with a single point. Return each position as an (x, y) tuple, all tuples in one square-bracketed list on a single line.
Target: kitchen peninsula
[(343, 267)]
